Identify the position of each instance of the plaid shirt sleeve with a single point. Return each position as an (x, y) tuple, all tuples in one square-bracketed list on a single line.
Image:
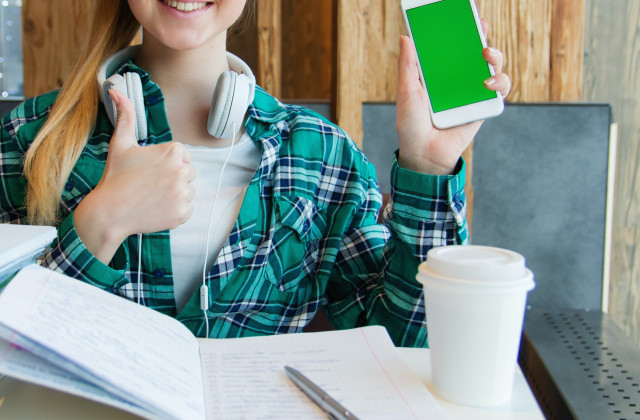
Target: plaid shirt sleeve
[(72, 258), (69, 255), (424, 212)]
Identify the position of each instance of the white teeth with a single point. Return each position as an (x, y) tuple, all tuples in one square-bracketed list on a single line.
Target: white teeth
[(184, 7)]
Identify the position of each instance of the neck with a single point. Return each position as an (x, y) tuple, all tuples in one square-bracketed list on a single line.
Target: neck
[(188, 79), (191, 73)]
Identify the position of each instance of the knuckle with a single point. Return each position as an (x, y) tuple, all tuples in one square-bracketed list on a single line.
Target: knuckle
[(184, 213), (184, 172), (174, 149)]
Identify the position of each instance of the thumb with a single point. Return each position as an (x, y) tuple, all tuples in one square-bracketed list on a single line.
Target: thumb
[(124, 135)]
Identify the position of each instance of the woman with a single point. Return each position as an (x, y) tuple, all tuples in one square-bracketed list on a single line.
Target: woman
[(253, 248)]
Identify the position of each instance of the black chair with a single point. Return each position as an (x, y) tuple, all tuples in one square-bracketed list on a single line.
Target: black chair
[(540, 176), (7, 106)]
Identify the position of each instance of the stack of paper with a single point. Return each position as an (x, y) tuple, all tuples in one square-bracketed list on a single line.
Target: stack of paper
[(20, 245)]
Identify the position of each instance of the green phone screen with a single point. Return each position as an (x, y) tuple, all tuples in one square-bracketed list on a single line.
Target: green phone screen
[(450, 53)]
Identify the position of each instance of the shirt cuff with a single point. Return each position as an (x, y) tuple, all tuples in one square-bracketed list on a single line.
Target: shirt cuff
[(428, 197), (73, 259)]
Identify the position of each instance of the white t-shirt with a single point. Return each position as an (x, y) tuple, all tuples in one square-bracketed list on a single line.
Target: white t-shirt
[(188, 241)]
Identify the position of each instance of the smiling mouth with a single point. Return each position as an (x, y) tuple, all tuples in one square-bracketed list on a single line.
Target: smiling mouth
[(183, 6)]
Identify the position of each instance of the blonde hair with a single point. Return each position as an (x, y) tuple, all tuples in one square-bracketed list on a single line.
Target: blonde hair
[(57, 147)]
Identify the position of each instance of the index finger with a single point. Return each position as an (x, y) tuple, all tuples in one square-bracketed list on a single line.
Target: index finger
[(485, 26)]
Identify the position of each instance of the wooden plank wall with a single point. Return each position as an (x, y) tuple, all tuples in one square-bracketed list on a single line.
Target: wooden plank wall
[(345, 51), (270, 46), (308, 53), (612, 75), (52, 31), (541, 40)]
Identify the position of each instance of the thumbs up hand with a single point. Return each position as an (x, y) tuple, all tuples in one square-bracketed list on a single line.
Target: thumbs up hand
[(142, 189)]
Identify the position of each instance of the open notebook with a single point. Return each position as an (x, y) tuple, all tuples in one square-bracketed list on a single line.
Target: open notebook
[(61, 333)]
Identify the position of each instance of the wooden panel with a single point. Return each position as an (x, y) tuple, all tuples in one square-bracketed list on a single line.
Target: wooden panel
[(567, 50), (367, 58), (612, 45), (351, 37), (243, 43), (270, 46), (307, 59), (52, 33), (383, 27), (521, 30)]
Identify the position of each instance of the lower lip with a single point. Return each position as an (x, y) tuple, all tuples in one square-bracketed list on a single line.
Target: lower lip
[(185, 15)]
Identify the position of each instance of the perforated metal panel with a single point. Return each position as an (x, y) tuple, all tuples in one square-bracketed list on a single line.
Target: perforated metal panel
[(581, 365)]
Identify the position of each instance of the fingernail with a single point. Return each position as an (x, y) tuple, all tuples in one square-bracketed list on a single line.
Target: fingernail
[(493, 51), (114, 97), (490, 81)]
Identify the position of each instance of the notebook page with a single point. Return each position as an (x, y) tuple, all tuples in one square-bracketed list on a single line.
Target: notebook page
[(20, 364), (132, 351), (244, 378)]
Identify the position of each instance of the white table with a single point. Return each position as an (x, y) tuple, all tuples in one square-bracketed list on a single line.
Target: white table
[(522, 406), (21, 400)]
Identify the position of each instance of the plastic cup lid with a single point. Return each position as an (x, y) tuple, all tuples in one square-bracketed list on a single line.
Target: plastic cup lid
[(480, 265)]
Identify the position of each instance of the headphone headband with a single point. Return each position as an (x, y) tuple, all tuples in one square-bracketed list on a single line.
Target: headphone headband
[(237, 95)]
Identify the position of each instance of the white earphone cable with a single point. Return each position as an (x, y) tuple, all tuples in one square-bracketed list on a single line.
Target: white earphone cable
[(139, 268), (204, 289)]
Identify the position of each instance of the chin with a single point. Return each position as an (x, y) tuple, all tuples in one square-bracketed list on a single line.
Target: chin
[(183, 39), (184, 44)]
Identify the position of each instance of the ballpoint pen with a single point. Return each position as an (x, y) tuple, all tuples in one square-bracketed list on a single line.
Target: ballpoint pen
[(330, 406)]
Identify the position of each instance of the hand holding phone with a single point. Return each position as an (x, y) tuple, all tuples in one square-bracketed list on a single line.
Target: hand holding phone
[(449, 42)]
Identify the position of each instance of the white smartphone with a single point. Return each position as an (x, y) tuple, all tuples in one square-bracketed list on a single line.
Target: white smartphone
[(449, 42)]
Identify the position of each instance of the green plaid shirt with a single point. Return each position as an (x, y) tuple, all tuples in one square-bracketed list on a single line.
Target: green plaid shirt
[(306, 238)]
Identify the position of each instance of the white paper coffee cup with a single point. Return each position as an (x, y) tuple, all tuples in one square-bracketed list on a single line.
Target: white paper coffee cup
[(475, 300)]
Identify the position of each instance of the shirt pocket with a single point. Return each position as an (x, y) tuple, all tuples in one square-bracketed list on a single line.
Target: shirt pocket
[(294, 249)]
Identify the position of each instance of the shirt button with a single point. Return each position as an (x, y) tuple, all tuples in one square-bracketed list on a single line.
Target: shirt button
[(68, 186), (158, 273), (152, 100)]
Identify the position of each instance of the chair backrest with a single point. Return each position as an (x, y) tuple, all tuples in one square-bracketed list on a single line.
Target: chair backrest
[(7, 106), (540, 175), (380, 139)]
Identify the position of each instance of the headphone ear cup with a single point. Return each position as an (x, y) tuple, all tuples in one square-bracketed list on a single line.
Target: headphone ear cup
[(134, 92), (221, 104), (116, 82), (131, 85)]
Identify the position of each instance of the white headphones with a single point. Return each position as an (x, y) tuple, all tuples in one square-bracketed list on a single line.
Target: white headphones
[(233, 94)]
